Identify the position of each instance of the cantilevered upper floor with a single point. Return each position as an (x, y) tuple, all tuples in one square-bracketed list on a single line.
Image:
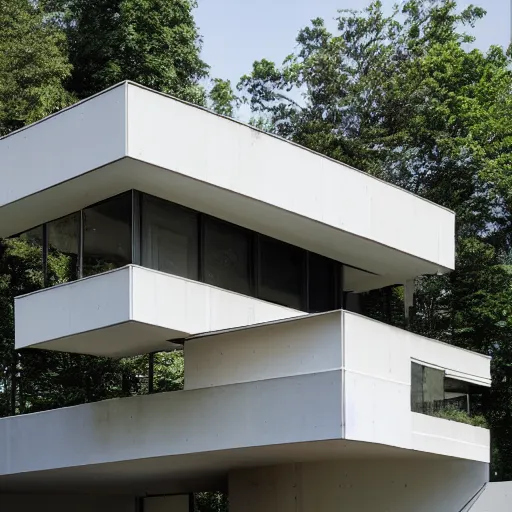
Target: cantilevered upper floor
[(253, 228), (129, 137)]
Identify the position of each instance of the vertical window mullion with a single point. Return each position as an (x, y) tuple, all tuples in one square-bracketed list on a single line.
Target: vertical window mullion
[(151, 372), (305, 284), (200, 247), (45, 255), (256, 264), (136, 227), (81, 224)]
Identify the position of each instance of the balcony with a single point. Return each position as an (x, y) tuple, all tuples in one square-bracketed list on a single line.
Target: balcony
[(332, 385), (130, 311)]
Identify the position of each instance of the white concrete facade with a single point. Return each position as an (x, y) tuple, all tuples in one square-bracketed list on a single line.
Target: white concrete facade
[(357, 486), (131, 138), (286, 411), (374, 363), (131, 311), (261, 395)]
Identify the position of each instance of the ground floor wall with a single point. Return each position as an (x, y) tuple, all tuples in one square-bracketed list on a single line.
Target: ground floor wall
[(364, 485), (358, 486)]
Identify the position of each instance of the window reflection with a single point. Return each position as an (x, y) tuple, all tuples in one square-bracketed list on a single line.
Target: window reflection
[(323, 280), (227, 256), (169, 238), (282, 272), (24, 252), (179, 241), (63, 236), (107, 235)]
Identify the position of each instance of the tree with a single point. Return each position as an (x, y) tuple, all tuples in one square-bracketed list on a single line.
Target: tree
[(33, 66), (152, 42), (222, 98), (37, 380), (403, 98)]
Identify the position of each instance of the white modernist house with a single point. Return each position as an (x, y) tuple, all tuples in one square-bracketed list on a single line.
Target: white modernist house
[(181, 229)]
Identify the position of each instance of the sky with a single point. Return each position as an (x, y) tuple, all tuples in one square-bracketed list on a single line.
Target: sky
[(238, 32)]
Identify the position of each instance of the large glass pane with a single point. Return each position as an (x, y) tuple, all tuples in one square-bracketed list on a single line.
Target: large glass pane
[(107, 235), (427, 389), (323, 280), (282, 273), (169, 238), (24, 255), (63, 249), (433, 385), (227, 256)]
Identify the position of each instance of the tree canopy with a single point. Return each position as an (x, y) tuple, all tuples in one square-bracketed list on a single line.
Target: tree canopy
[(152, 42), (33, 66), (405, 98)]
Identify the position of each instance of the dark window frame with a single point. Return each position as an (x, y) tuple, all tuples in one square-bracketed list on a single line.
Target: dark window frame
[(255, 238)]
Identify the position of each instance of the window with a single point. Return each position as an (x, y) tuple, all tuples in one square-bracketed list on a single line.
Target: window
[(107, 235), (158, 234), (427, 387), (227, 256), (436, 393), (282, 273), (324, 278), (63, 249), (169, 238), (26, 252)]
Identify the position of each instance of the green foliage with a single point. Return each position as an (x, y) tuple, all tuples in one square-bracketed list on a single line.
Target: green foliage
[(454, 414), (33, 65), (45, 380), (403, 98), (152, 42), (222, 98), (211, 502), (168, 372)]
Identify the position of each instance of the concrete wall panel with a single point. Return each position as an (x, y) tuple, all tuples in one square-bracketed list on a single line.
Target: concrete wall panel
[(311, 345), (193, 307), (397, 485), (277, 411), (73, 308), (159, 307), (64, 146)]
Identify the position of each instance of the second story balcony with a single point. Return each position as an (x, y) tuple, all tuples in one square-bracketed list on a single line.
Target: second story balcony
[(334, 385)]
